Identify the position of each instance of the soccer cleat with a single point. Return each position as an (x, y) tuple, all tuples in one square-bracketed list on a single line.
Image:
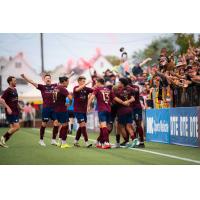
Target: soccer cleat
[(3, 143), (41, 143), (63, 146), (59, 143), (123, 144), (116, 145), (133, 143), (141, 145), (106, 146), (53, 142), (89, 145), (98, 145), (77, 144)]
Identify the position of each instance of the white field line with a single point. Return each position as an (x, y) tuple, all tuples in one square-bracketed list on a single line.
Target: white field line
[(148, 151)]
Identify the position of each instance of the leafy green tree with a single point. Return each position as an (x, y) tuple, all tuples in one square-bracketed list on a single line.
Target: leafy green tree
[(183, 40), (154, 48)]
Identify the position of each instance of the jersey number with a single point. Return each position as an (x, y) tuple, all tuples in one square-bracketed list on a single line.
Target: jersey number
[(106, 96)]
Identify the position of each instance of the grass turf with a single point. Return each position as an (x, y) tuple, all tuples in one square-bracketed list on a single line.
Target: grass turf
[(24, 149)]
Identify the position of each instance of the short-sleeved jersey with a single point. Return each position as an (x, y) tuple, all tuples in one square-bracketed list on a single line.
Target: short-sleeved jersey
[(124, 94), (11, 98), (104, 98), (60, 93), (81, 99), (136, 94), (47, 94)]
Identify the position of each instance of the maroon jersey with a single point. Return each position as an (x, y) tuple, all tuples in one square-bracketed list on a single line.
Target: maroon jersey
[(81, 99), (124, 94), (104, 98), (136, 94), (60, 93), (47, 94), (11, 98)]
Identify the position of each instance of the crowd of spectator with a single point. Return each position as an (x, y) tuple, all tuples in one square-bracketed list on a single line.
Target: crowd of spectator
[(173, 81)]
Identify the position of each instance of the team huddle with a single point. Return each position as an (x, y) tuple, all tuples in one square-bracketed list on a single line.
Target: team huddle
[(117, 106)]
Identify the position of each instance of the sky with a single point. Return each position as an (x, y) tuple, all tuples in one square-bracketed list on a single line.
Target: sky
[(60, 47)]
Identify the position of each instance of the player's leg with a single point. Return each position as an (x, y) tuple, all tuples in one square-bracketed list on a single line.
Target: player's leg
[(139, 128), (78, 132), (123, 132), (55, 132), (46, 114), (42, 131), (122, 121), (84, 130), (140, 131), (14, 127), (105, 132), (99, 140), (130, 130), (55, 128), (63, 118)]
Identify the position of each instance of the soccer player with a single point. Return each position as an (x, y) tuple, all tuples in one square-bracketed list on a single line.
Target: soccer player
[(137, 115), (60, 93), (104, 98), (9, 100), (48, 107), (124, 113), (80, 94)]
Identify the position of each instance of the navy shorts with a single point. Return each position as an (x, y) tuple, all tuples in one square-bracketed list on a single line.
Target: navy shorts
[(62, 117), (113, 114), (71, 113), (81, 117), (137, 114), (125, 119), (12, 119), (104, 117), (47, 114)]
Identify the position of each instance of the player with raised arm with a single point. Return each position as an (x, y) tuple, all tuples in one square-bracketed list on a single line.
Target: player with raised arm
[(104, 98), (48, 107), (80, 94), (60, 93), (9, 100)]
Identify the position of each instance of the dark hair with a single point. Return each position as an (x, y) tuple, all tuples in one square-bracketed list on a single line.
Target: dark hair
[(47, 75), (101, 80), (129, 81), (63, 78), (81, 78), (9, 79), (124, 81)]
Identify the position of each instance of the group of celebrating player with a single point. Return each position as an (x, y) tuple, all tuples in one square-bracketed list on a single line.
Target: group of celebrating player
[(117, 106)]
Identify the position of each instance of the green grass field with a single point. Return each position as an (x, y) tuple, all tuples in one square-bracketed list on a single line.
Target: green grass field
[(24, 149)]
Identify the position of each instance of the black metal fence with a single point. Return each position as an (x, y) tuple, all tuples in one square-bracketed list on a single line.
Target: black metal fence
[(186, 97)]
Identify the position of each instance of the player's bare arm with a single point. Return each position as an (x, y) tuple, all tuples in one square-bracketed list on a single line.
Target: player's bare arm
[(91, 98), (29, 80), (118, 100), (20, 107), (82, 86), (3, 103), (145, 61), (128, 102)]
